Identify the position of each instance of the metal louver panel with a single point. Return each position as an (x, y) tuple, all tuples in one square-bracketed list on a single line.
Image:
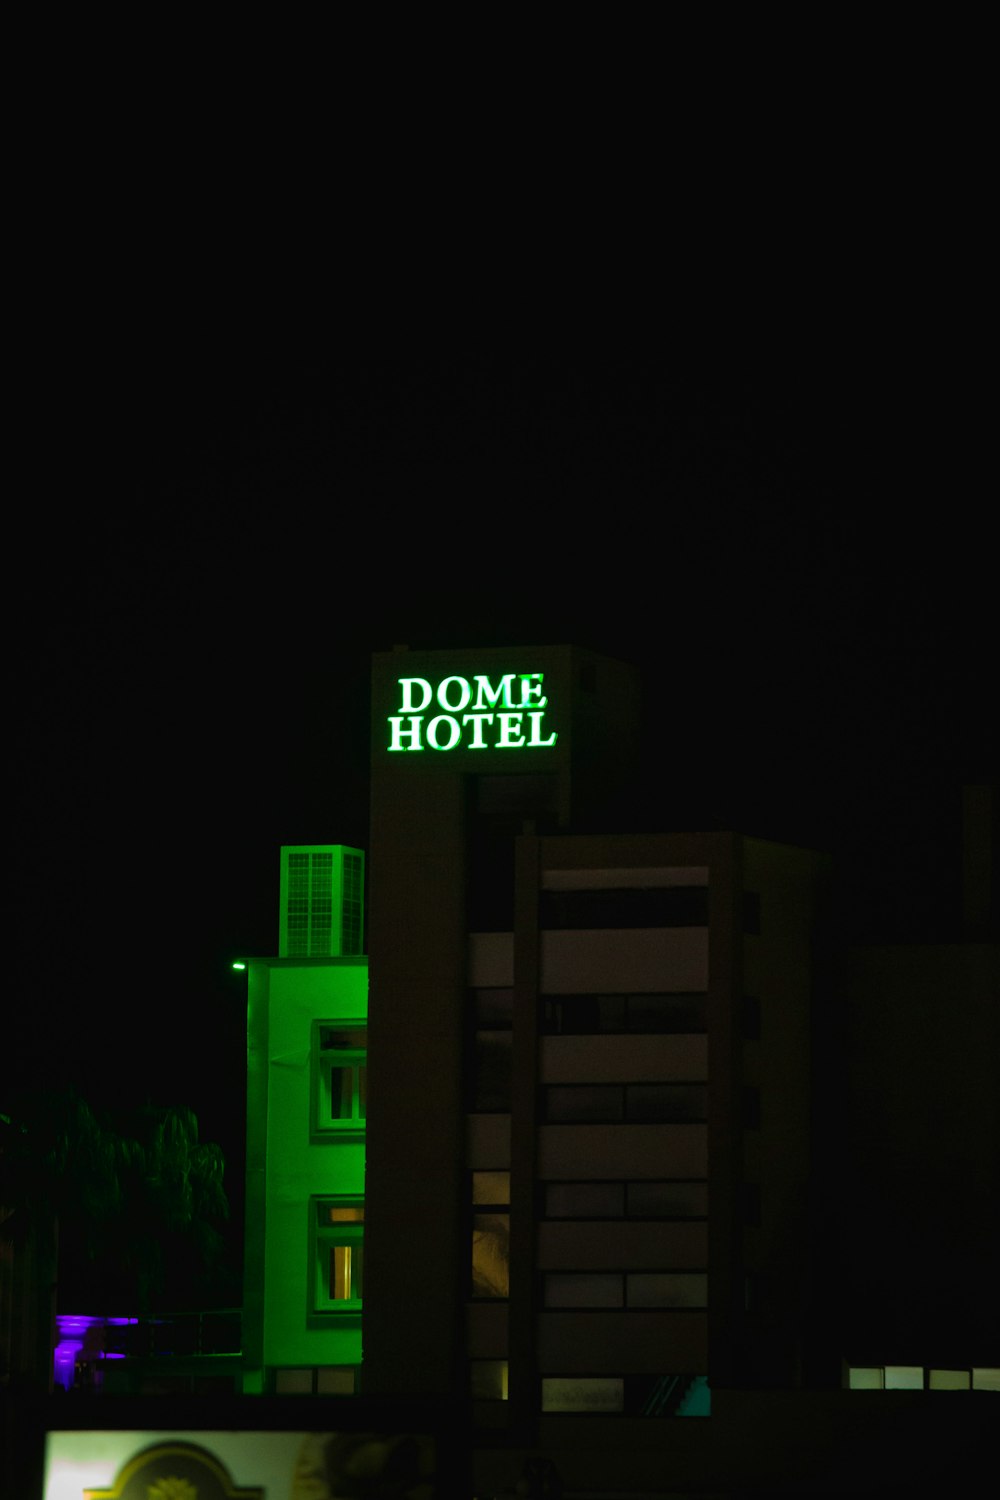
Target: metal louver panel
[(322, 901)]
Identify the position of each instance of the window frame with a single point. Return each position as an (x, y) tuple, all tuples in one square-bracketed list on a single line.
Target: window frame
[(323, 1126), (324, 1238)]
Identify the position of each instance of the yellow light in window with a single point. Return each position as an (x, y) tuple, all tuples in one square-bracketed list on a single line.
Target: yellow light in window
[(341, 1267), (904, 1377), (949, 1380)]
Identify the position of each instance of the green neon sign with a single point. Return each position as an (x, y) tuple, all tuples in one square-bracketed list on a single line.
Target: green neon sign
[(462, 713)]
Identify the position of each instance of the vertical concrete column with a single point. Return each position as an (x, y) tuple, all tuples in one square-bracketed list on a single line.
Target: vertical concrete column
[(725, 1131), (523, 1374), (416, 1261)]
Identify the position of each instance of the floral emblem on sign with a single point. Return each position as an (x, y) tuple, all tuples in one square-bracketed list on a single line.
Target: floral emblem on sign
[(172, 1489)]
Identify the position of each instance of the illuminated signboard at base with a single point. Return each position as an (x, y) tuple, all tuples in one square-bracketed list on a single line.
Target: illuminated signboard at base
[(254, 1463), (472, 713), (174, 1471)]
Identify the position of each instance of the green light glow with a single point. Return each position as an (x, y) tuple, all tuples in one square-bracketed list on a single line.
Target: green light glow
[(493, 696), (464, 694), (407, 684), (478, 722), (536, 731), (305, 1150), (446, 731), (237, 964), (454, 732), (531, 688), (510, 726)]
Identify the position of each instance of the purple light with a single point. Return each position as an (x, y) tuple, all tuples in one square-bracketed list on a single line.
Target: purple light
[(72, 1336), (70, 1325)]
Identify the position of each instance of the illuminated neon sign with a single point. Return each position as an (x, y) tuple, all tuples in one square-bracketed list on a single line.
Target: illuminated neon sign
[(475, 714)]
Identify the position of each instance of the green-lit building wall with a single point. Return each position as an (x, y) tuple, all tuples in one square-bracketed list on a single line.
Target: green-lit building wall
[(292, 1161)]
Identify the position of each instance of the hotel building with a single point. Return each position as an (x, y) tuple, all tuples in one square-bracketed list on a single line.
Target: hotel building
[(599, 1197)]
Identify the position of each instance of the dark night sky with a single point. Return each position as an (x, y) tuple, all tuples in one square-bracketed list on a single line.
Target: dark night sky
[(795, 554)]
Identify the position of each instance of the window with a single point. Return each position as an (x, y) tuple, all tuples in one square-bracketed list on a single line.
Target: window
[(678, 906), (492, 1070), (340, 1077), (668, 1200), (643, 1289), (489, 1020), (587, 1393), (667, 1289), (681, 1102), (328, 1380), (583, 1103), (491, 1187), (904, 1378), (488, 1379), (919, 1377), (584, 1200), (493, 1009), (636, 1103), (626, 1200), (629, 1395), (491, 1234), (583, 1289), (949, 1380), (636, 1015), (491, 1017), (337, 1228)]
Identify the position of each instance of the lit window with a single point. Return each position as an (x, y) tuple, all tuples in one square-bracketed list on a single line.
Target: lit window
[(589, 1393), (912, 1378), (904, 1378), (489, 1379), (340, 1076), (949, 1380), (491, 1255), (338, 1227), (491, 1234), (680, 1395)]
